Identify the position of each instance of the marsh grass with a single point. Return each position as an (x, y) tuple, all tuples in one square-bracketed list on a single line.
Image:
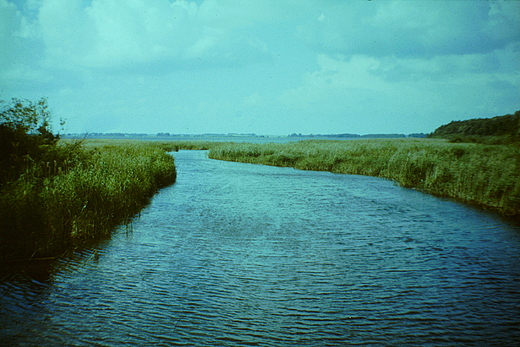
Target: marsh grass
[(173, 146), (84, 194), (479, 174)]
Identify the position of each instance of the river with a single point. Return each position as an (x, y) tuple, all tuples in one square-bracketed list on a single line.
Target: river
[(238, 254)]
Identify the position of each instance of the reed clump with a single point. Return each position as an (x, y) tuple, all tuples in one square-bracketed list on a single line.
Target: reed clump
[(76, 193), (479, 174), (174, 146)]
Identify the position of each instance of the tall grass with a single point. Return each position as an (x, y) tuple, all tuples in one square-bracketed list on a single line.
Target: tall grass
[(171, 146), (484, 175), (62, 203)]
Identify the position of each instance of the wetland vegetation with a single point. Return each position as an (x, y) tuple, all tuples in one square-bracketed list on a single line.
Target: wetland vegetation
[(81, 196), (500, 130), (56, 195), (59, 194), (479, 174), (476, 161)]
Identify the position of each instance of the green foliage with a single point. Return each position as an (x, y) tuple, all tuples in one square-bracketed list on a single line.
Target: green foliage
[(25, 136), (99, 188), (494, 131), (56, 194), (27, 116), (478, 174)]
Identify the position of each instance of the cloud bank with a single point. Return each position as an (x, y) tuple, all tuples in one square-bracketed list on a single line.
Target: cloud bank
[(262, 66)]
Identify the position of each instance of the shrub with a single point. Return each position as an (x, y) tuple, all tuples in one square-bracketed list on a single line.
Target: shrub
[(56, 195), (25, 136)]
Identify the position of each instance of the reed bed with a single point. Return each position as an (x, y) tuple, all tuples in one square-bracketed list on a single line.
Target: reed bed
[(59, 204), (478, 174), (165, 145), (173, 146)]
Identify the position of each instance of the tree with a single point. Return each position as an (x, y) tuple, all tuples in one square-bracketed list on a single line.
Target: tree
[(25, 135)]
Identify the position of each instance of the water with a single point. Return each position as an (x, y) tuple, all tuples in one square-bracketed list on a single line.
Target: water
[(238, 254)]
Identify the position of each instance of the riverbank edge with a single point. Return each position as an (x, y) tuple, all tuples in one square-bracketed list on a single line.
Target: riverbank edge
[(46, 218), (485, 176)]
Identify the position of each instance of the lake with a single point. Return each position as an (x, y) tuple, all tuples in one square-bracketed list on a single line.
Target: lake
[(238, 254)]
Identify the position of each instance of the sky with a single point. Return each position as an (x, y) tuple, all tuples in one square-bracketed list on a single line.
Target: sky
[(270, 67)]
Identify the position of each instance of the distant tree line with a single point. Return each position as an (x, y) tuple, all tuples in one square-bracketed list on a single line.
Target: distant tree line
[(366, 136), (496, 130)]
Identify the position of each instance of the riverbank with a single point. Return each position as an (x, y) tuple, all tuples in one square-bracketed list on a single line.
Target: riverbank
[(478, 174), (81, 193)]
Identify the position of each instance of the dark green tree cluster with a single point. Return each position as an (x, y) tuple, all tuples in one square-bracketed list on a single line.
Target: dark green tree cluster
[(25, 136), (499, 130), (55, 196)]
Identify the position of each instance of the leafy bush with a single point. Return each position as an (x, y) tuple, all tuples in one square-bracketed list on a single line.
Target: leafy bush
[(55, 195), (25, 136)]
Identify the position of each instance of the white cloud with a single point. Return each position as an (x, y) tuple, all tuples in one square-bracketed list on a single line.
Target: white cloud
[(111, 33), (338, 82), (275, 63), (10, 25), (115, 34), (232, 14), (373, 90), (20, 48), (413, 28)]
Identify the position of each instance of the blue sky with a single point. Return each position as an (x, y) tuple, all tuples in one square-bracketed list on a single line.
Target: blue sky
[(262, 66)]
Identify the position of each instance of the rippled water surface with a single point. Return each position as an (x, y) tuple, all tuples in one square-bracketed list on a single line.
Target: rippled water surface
[(237, 254)]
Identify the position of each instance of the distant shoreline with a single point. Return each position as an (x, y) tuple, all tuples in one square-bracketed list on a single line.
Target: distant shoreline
[(233, 136)]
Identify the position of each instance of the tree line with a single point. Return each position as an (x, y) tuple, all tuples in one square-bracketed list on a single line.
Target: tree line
[(496, 130)]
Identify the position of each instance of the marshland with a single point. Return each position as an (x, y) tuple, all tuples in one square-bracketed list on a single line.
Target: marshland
[(77, 194), (237, 254), (479, 174), (58, 195), (387, 241), (83, 190)]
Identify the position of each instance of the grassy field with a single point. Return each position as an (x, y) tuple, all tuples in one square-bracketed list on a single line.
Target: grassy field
[(483, 175), (80, 195)]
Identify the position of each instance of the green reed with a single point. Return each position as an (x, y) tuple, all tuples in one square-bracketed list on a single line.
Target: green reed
[(84, 195), (484, 175)]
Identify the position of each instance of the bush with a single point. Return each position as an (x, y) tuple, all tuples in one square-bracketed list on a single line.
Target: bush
[(25, 136), (56, 195)]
